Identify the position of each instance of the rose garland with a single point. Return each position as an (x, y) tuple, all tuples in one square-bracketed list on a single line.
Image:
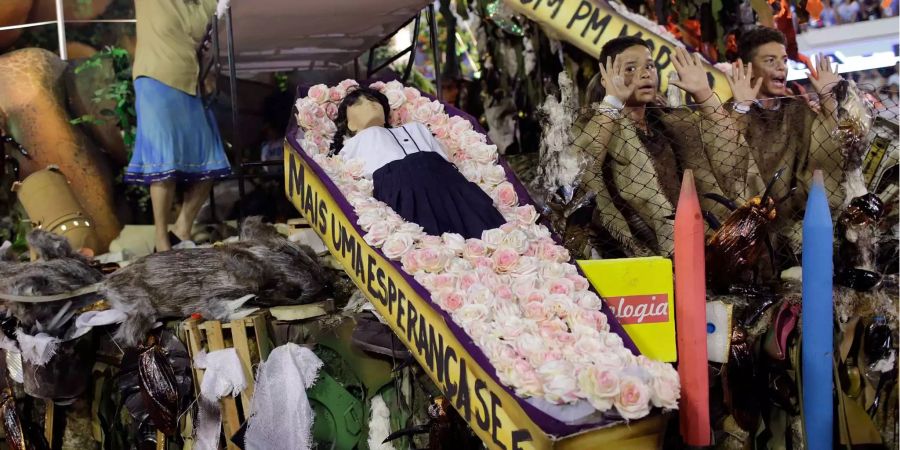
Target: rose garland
[(513, 291)]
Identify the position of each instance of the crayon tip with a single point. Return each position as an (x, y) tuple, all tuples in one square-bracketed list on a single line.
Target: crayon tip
[(687, 183), (818, 178)]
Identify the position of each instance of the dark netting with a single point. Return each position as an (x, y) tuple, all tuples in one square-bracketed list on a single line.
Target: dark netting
[(617, 180)]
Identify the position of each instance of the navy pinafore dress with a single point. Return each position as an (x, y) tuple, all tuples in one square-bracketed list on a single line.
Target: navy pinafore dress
[(428, 190)]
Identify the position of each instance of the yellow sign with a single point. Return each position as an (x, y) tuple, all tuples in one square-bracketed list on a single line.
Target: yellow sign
[(495, 416), (640, 293), (588, 25)]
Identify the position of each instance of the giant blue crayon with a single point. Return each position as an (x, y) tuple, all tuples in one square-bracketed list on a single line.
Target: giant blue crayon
[(818, 314)]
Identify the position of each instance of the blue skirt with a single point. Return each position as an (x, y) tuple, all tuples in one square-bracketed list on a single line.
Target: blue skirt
[(177, 138), (425, 189)]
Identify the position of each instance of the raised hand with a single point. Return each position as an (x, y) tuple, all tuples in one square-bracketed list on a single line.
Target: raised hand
[(691, 74), (743, 89), (612, 78), (825, 76)]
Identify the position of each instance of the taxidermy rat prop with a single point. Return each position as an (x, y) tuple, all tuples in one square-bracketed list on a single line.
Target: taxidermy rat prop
[(58, 270), (214, 282)]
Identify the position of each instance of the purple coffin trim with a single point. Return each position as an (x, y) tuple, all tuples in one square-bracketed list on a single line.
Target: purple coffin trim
[(547, 423)]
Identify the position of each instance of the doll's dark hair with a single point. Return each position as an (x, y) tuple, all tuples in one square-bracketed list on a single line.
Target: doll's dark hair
[(595, 91), (351, 99)]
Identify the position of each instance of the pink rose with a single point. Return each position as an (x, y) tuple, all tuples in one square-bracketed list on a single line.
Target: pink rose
[(527, 266), (505, 259), (560, 286), (440, 131), (492, 238), (471, 171), (378, 233), (480, 294), (505, 293), (430, 241), (445, 281), (368, 218), (459, 266), (331, 111), (579, 282), (348, 85), (396, 98), (471, 138), (516, 240), (599, 385), (432, 260), (474, 248), (378, 86), (526, 215), (454, 242), (410, 262), (550, 327), (505, 194), (588, 300), (408, 227), (550, 271), (336, 94), (531, 346), (527, 383), (665, 386), (559, 381), (467, 280), (536, 311), (487, 277), (449, 300), (318, 93), (471, 313), (559, 304), (633, 401), (483, 262), (460, 125), (306, 118), (481, 153), (397, 245), (412, 94)]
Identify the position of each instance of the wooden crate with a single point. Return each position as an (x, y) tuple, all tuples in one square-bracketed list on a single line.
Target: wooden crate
[(250, 338)]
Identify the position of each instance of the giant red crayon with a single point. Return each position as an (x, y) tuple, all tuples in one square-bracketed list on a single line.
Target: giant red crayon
[(690, 316)]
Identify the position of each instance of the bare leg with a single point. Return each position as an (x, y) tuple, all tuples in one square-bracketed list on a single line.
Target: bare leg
[(194, 198), (162, 194)]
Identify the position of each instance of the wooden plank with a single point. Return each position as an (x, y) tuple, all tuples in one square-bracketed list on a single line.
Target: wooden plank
[(242, 345), (263, 341), (301, 312), (48, 420), (230, 420), (195, 347)]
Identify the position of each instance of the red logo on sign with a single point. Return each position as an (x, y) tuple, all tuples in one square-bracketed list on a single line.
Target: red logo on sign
[(640, 308)]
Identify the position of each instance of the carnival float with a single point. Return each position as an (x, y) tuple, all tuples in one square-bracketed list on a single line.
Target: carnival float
[(693, 271)]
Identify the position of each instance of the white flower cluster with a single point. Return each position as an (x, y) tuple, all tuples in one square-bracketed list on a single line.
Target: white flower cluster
[(513, 291)]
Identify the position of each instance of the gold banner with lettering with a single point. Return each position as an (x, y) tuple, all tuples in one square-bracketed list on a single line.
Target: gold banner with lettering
[(588, 24), (495, 416)]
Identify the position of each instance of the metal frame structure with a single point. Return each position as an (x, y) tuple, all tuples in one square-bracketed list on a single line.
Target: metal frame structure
[(242, 166)]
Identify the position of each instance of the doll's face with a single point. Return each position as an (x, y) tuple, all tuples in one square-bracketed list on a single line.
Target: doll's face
[(363, 114)]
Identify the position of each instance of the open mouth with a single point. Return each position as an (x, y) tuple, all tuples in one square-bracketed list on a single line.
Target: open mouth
[(779, 82), (646, 89)]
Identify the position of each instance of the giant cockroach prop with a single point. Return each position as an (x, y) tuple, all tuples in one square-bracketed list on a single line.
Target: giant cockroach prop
[(155, 381), (734, 250), (19, 436)]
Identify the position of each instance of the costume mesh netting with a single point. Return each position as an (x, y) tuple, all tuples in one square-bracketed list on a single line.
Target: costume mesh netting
[(618, 199)]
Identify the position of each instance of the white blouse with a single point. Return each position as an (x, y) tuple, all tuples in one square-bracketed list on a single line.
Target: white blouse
[(378, 146)]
